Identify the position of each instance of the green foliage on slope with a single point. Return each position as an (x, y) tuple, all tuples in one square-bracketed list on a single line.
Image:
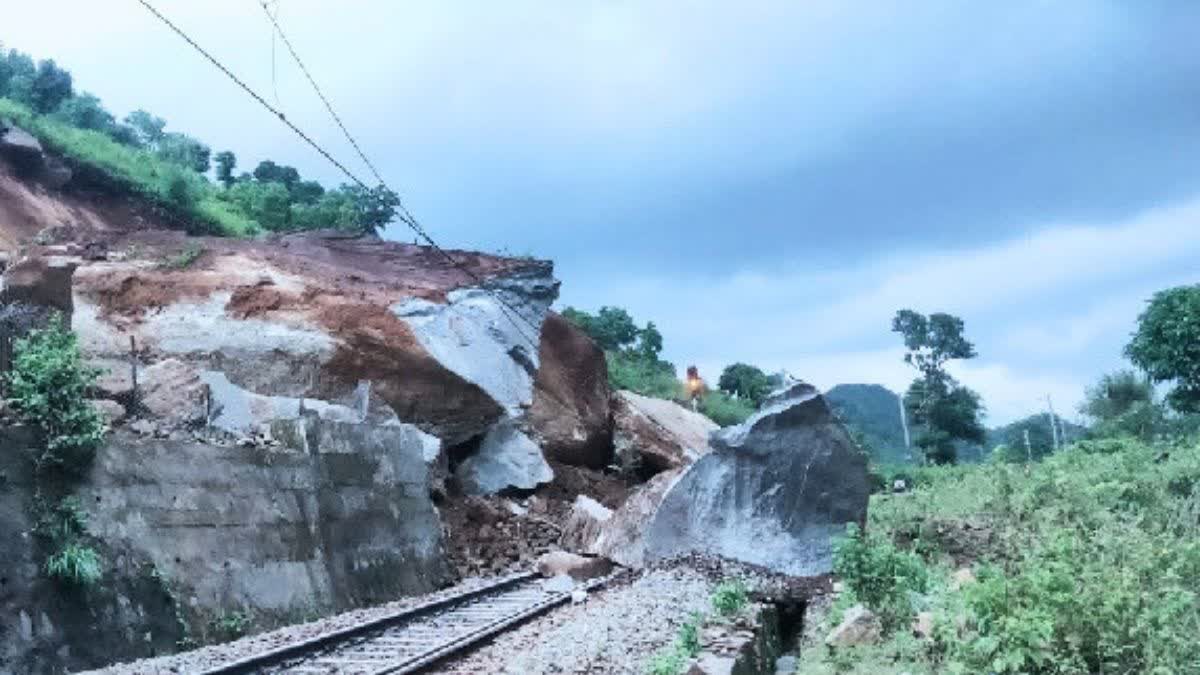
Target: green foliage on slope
[(139, 155), (872, 412), (1086, 562)]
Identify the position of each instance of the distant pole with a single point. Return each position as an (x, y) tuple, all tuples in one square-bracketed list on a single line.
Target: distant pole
[(1053, 422), (904, 423), (1028, 448)]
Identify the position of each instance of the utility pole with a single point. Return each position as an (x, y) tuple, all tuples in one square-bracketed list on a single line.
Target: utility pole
[(1053, 422), (1028, 449), (904, 423)]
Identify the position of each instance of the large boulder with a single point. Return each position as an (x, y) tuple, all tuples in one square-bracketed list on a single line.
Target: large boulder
[(775, 491), (21, 149), (571, 417), (651, 435), (312, 316), (40, 281), (506, 460), (622, 536), (585, 525)]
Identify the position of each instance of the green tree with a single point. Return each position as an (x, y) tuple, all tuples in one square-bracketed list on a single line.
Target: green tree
[(185, 151), (86, 112), (373, 208), (945, 410), (226, 162), (149, 129), (47, 88), (270, 172), (746, 381), (1122, 404), (612, 328), (1167, 344)]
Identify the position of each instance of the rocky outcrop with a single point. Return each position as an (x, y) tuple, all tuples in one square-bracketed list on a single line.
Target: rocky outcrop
[(20, 149), (199, 531), (571, 416), (585, 525), (652, 435), (774, 492), (506, 460), (860, 626)]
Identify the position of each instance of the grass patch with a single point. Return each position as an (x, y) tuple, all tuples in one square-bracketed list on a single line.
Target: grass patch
[(1090, 564), (179, 190), (76, 564)]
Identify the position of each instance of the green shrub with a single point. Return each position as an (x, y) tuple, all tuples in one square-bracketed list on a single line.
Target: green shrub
[(48, 387), (646, 376), (730, 597), (724, 409), (880, 576), (185, 258), (231, 625), (76, 564)]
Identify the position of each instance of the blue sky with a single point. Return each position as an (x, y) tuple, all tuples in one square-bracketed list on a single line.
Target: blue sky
[(767, 181)]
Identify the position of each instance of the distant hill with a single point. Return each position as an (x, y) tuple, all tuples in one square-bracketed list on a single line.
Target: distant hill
[(873, 412)]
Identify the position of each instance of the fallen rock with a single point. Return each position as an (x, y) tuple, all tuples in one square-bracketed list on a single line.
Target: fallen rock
[(571, 416), (775, 491), (21, 149), (239, 411), (622, 536), (922, 625), (578, 595), (575, 566), (111, 411), (652, 435), (506, 459), (584, 525), (859, 627), (41, 281), (115, 380), (171, 391)]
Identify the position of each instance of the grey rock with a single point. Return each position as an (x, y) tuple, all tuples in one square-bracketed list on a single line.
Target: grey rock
[(774, 492), (622, 537), (584, 525), (21, 149), (578, 567), (859, 627), (559, 584), (111, 411), (506, 459)]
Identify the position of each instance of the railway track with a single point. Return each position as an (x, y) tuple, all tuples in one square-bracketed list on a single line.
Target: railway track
[(412, 640)]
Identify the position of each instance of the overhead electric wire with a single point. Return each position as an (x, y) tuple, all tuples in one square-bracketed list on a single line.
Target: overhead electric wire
[(404, 215)]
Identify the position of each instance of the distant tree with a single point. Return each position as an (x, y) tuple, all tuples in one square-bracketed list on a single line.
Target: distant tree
[(85, 111), (270, 172), (307, 192), (17, 72), (226, 162), (612, 328), (373, 208), (49, 87), (945, 410), (746, 381), (1167, 344), (185, 151), (650, 341), (149, 128), (1122, 404)]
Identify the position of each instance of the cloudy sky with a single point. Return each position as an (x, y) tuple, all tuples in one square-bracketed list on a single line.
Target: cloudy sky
[(768, 181)]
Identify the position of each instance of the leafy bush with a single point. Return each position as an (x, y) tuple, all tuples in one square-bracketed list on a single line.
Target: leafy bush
[(671, 659), (724, 409), (730, 598), (75, 564), (880, 576), (63, 527), (231, 625), (48, 388), (646, 376), (1086, 562)]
